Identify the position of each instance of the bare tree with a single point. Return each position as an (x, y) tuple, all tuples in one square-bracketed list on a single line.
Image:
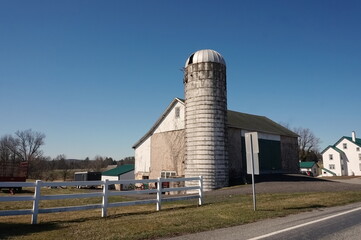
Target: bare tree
[(97, 164), (8, 147), (29, 143), (308, 144), (63, 165)]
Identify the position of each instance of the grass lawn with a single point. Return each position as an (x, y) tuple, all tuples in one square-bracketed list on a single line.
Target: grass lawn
[(143, 222)]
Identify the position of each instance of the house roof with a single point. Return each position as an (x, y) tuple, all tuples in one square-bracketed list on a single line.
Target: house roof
[(329, 171), (240, 120), (357, 142), (119, 170), (307, 164), (334, 148)]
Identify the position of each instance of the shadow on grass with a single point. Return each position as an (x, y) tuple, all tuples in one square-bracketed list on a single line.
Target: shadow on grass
[(307, 207), (285, 178), (22, 229), (17, 193), (149, 212), (124, 214)]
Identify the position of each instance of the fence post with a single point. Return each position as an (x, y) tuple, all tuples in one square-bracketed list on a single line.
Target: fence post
[(37, 194), (159, 194), (105, 199)]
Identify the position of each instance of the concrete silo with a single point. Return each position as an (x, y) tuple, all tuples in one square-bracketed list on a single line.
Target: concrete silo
[(205, 118)]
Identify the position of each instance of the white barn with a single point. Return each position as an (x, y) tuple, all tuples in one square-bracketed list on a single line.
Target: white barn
[(343, 158), (161, 151), (198, 136)]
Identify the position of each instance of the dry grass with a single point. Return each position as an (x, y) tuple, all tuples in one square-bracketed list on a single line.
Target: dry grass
[(143, 222)]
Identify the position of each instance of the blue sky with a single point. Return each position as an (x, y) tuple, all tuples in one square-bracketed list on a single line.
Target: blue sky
[(94, 76)]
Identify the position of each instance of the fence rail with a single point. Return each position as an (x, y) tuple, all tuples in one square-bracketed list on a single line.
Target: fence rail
[(105, 194)]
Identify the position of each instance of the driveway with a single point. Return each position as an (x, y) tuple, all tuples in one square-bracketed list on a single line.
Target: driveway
[(289, 183)]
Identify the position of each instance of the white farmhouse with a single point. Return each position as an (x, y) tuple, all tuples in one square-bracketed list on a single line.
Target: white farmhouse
[(343, 158)]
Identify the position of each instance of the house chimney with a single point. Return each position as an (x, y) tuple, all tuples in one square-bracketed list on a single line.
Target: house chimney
[(353, 136)]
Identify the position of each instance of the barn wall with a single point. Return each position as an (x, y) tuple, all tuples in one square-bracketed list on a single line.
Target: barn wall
[(167, 153), (270, 156), (289, 154), (142, 159), (278, 154), (236, 173), (172, 122)]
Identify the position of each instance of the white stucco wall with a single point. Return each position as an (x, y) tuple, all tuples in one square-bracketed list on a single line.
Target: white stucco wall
[(171, 122), (352, 157), (336, 161), (142, 157)]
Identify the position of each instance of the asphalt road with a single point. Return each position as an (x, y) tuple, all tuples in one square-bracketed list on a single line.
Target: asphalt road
[(343, 222)]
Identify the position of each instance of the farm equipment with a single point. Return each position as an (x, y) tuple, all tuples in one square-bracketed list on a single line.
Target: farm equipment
[(13, 171), (87, 176)]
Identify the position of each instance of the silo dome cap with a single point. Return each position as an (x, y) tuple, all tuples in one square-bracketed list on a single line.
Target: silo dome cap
[(206, 55)]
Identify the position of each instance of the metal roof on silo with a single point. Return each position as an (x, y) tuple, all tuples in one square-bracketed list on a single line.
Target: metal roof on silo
[(206, 55)]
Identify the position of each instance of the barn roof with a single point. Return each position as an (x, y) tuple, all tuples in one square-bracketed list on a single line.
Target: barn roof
[(239, 120), (256, 123), (119, 170)]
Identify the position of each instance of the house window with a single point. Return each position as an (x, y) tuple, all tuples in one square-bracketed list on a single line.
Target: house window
[(360, 166), (359, 156), (167, 174), (177, 112), (344, 146), (330, 157), (357, 149), (332, 166)]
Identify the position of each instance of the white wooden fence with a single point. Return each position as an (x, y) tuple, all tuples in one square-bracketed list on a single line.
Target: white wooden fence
[(105, 194)]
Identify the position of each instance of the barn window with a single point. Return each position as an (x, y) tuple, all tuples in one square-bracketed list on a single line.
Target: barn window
[(167, 174), (332, 166), (177, 112)]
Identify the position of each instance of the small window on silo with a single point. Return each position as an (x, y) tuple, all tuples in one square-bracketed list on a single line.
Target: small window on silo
[(177, 112)]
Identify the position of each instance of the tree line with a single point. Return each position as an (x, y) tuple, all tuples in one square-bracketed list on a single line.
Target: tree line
[(26, 146), (308, 144)]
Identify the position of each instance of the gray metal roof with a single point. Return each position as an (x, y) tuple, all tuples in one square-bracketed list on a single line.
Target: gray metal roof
[(257, 123), (206, 55)]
